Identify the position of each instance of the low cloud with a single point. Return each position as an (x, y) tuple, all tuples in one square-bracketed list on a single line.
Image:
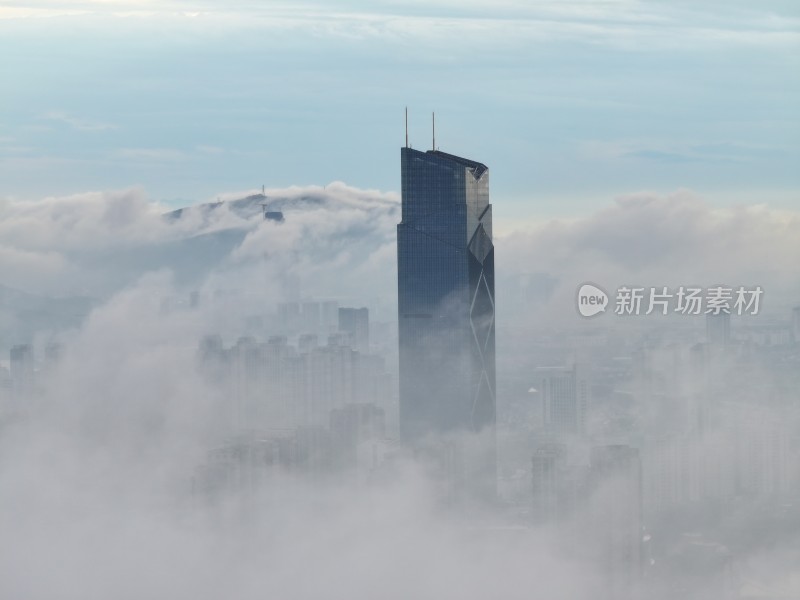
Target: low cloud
[(661, 240), (98, 499), (100, 502), (335, 241), (339, 241)]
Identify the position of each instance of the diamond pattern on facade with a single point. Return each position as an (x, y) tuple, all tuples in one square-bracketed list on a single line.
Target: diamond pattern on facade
[(445, 295)]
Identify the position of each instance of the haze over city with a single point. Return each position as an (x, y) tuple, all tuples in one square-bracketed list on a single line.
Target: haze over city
[(262, 336)]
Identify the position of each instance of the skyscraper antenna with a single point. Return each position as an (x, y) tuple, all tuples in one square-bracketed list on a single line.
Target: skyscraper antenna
[(406, 127), (433, 127)]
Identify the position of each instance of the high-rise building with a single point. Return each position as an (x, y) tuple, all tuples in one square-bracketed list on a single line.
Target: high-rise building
[(277, 384), (718, 328), (547, 466), (445, 264), (355, 322), (21, 363), (559, 487), (616, 506), (564, 393)]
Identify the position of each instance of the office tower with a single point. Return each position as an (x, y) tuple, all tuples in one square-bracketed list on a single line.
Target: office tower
[(564, 393), (665, 482), (355, 322), (547, 467), (559, 489), (761, 449), (616, 508), (21, 363), (445, 265), (445, 262), (718, 328)]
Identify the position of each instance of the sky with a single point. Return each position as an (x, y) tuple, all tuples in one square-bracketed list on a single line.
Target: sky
[(647, 143), (571, 104)]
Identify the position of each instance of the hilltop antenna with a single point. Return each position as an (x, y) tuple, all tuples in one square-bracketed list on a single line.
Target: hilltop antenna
[(433, 128), (406, 127)]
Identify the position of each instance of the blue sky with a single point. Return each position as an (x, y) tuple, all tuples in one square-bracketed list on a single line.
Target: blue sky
[(569, 103)]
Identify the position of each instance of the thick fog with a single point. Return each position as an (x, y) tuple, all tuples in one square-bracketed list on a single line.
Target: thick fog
[(106, 441)]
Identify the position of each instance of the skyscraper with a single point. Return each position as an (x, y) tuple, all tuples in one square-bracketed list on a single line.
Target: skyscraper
[(355, 322), (22, 376), (616, 479), (565, 397), (445, 263), (718, 328), (546, 469)]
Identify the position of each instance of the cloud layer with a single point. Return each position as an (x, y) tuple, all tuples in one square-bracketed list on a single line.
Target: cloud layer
[(98, 480), (339, 241), (673, 240)]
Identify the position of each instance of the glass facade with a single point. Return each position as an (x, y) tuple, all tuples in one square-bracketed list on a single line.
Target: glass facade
[(445, 261)]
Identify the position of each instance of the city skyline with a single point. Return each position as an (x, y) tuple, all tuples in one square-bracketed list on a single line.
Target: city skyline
[(602, 471), (245, 353)]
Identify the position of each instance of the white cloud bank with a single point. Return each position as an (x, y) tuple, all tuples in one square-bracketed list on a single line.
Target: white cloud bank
[(96, 500), (673, 240), (340, 241)]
